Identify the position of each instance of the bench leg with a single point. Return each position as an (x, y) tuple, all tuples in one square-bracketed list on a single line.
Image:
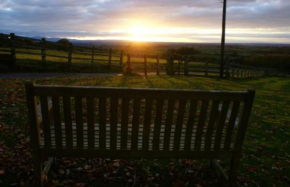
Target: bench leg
[(233, 172), (211, 165), (37, 168), (46, 169)]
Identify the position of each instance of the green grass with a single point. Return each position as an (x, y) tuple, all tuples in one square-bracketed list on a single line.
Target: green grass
[(266, 152)]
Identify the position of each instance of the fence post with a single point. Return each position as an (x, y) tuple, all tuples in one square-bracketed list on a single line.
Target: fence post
[(227, 68), (186, 65), (13, 53), (172, 72), (179, 61), (157, 58), (206, 68), (129, 69), (121, 57), (43, 50), (70, 55), (169, 62), (110, 57), (93, 55), (145, 65)]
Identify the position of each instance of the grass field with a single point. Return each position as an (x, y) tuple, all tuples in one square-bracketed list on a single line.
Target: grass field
[(266, 155)]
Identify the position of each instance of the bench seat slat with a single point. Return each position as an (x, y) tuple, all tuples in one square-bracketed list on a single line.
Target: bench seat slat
[(90, 118), (114, 121), (157, 125), (232, 121), (79, 121), (57, 120), (46, 121), (179, 123), (135, 123), (168, 123), (102, 118), (124, 123), (147, 122), (211, 124), (190, 123), (68, 120), (200, 125), (221, 124)]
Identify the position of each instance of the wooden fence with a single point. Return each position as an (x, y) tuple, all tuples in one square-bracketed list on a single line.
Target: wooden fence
[(68, 54), (173, 64), (145, 66), (202, 65)]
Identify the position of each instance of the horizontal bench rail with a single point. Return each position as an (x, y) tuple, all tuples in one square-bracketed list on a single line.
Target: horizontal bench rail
[(140, 93)]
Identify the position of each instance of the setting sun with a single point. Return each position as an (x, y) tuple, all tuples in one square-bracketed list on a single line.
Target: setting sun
[(138, 33)]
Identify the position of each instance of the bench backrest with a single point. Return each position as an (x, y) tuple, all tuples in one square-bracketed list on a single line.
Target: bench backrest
[(75, 119)]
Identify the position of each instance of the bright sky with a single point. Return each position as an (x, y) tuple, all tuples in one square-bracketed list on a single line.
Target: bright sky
[(248, 21)]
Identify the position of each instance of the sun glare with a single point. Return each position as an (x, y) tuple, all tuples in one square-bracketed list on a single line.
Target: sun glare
[(139, 33)]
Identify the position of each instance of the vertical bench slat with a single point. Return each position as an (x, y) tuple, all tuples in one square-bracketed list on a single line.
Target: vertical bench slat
[(221, 123), (233, 118), (79, 122), (57, 122), (157, 125), (244, 120), (190, 122), (124, 123), (147, 123), (45, 121), (135, 124), (211, 124), (102, 123), (68, 122), (168, 124), (179, 123), (200, 125), (90, 119), (114, 121)]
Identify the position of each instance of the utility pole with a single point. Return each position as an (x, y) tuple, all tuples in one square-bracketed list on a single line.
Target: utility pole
[(223, 39)]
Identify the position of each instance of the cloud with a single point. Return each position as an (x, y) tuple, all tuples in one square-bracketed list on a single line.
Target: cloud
[(102, 18)]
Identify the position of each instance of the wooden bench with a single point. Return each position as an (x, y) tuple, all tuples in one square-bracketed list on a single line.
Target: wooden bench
[(136, 123)]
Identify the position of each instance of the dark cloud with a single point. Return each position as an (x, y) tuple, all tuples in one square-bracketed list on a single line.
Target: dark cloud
[(100, 18)]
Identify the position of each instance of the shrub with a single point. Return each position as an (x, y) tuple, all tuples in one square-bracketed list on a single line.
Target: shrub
[(186, 51), (64, 42)]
